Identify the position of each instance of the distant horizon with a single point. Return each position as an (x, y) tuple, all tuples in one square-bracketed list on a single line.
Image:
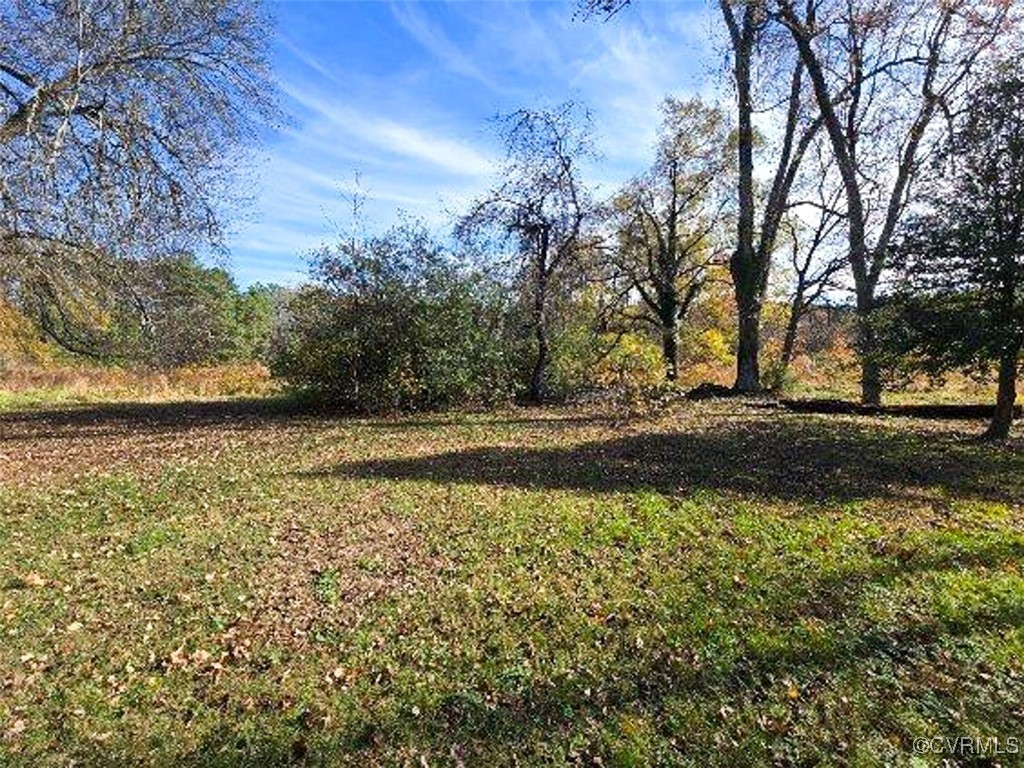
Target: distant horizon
[(402, 94)]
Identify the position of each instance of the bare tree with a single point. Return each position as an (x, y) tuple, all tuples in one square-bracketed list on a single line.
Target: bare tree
[(541, 205), (881, 72), (121, 123), (665, 222), (811, 231), (759, 66), (758, 59)]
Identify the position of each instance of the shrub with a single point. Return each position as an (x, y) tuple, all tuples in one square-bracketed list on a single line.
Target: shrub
[(395, 323)]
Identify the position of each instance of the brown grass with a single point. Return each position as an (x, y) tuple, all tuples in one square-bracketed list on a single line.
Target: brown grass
[(84, 383)]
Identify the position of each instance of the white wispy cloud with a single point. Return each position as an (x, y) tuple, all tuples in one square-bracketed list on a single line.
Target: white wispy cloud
[(393, 138), (312, 62), (635, 63), (411, 19), (303, 208), (524, 41), (449, 155)]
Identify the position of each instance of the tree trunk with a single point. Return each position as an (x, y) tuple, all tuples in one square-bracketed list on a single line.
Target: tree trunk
[(870, 382), (748, 368), (864, 264), (744, 266), (867, 349), (999, 428), (670, 352), (538, 380), (792, 328)]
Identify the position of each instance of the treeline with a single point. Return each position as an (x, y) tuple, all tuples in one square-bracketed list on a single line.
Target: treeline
[(868, 148), (403, 321), (162, 312)]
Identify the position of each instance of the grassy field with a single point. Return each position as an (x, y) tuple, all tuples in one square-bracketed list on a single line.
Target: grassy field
[(232, 584)]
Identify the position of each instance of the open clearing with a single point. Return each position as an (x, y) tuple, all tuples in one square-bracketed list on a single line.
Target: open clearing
[(723, 585)]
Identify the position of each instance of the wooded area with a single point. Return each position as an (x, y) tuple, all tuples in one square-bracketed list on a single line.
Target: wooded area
[(585, 476)]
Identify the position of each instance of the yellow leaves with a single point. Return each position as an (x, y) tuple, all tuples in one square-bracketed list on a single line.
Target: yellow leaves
[(35, 580), (813, 625), (713, 344), (19, 340), (633, 726), (635, 360)]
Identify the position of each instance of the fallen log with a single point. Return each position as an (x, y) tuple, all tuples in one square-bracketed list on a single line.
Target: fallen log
[(709, 391), (937, 411)]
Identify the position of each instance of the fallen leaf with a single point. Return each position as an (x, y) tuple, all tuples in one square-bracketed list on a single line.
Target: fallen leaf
[(18, 726), (179, 658)]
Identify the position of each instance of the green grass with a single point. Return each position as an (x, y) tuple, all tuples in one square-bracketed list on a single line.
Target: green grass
[(231, 585)]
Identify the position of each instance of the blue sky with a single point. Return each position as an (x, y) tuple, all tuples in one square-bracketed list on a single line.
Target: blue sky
[(401, 93)]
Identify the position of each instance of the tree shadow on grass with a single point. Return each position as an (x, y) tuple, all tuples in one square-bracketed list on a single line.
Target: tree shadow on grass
[(885, 669), (117, 418), (114, 419), (485, 722), (782, 459)]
